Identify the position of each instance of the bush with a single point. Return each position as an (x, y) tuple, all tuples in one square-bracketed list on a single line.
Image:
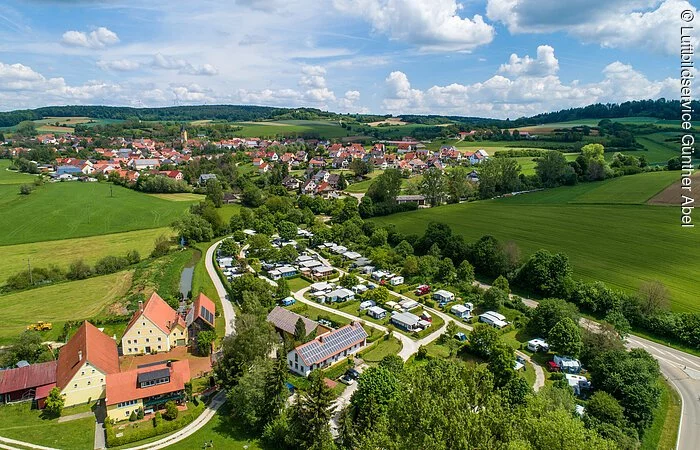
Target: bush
[(111, 264), (140, 414), (133, 417), (171, 411), (161, 246), (26, 189), (78, 270)]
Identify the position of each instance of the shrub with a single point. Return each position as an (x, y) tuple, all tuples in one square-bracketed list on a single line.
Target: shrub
[(161, 246), (159, 427), (171, 411), (133, 417), (139, 414), (26, 189), (111, 264), (78, 270)]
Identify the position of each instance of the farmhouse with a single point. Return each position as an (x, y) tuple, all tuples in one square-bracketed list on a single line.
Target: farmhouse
[(327, 349), (155, 327), (420, 199), (146, 387), (285, 321), (31, 382), (200, 317), (84, 363)]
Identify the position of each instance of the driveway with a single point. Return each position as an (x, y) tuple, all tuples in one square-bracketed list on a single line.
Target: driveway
[(229, 312)]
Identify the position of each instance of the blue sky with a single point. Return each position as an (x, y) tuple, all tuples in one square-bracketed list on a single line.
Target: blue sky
[(495, 58)]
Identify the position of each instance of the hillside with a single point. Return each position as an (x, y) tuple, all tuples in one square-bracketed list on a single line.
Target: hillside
[(607, 230)]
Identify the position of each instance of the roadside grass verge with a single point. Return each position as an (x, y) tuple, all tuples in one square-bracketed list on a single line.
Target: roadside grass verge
[(663, 431)]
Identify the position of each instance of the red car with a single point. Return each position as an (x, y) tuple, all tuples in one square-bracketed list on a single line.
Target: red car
[(422, 289), (552, 366)]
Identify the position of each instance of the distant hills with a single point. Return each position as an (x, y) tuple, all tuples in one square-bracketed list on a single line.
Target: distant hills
[(661, 109)]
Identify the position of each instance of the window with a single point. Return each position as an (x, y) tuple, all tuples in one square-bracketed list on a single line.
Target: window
[(138, 332), (82, 373), (296, 357), (128, 341), (150, 331), (89, 383), (144, 324), (159, 347), (75, 385), (158, 339), (127, 403), (147, 340), (93, 370)]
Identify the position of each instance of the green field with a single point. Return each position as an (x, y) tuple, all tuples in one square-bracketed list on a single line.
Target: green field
[(59, 303), (12, 176), (90, 249), (20, 422), (660, 147), (621, 244), (323, 128), (73, 209)]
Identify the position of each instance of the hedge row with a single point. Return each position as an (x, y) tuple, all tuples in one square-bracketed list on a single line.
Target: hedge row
[(149, 432)]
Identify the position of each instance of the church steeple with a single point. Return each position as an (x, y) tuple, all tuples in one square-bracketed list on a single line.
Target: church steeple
[(183, 134)]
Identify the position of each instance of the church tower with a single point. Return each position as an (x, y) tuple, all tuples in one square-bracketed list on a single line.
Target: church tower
[(183, 134)]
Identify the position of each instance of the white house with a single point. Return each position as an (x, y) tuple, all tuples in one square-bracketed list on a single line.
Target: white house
[(321, 286), (327, 349), (408, 305), (360, 289), (461, 311), (406, 321), (282, 272)]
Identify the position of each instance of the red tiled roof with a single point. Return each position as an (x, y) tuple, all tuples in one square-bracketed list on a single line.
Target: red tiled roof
[(122, 387), (160, 313), (97, 348), (204, 301), (43, 391), (27, 377)]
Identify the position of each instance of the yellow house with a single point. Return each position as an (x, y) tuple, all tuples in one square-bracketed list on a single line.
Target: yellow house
[(154, 328), (84, 363)]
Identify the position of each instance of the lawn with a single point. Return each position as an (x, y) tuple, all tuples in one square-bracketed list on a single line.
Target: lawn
[(226, 211), (201, 282), (381, 348), (90, 249), (297, 284), (72, 209), (12, 176), (20, 422), (180, 197), (663, 431), (58, 303), (622, 245), (222, 431)]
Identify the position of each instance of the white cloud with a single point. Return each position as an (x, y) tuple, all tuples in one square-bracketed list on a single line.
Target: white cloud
[(192, 93), (98, 38), (348, 103), (399, 94), (433, 25), (644, 24), (525, 91), (314, 81), (182, 66), (544, 64), (120, 65)]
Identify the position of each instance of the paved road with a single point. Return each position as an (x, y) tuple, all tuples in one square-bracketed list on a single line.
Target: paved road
[(229, 312)]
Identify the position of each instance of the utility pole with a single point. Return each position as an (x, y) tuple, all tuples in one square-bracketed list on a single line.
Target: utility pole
[(29, 264)]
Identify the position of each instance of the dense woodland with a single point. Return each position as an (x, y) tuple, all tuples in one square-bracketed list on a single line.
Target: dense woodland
[(661, 109)]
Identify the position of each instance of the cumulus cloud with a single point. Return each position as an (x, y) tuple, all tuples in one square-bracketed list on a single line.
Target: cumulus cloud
[(644, 24), (119, 65), (544, 64), (522, 92), (431, 25), (23, 86), (313, 80), (99, 38), (182, 66)]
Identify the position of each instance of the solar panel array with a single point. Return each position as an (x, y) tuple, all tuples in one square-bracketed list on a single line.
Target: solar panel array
[(207, 315), (332, 344)]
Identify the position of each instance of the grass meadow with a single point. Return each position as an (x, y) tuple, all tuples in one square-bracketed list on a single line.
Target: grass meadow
[(620, 241), (13, 258), (12, 176), (324, 128), (61, 302), (73, 209)]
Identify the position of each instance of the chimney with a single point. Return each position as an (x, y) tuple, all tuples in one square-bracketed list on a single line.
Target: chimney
[(141, 305), (80, 355)]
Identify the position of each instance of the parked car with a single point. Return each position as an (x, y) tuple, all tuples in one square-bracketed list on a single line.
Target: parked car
[(352, 373), (345, 379), (461, 337), (553, 367), (288, 301)]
